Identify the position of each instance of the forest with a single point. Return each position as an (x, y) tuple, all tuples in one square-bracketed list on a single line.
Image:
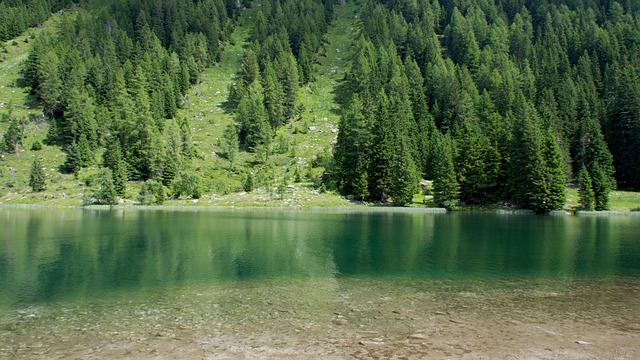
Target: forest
[(504, 100), (480, 102)]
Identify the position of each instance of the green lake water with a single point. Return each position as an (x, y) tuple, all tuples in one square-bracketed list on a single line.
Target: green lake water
[(164, 268)]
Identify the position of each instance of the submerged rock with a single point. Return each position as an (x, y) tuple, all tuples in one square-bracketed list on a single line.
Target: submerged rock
[(371, 343)]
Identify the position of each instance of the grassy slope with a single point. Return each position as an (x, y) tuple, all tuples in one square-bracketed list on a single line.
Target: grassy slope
[(208, 121), (14, 170), (221, 181)]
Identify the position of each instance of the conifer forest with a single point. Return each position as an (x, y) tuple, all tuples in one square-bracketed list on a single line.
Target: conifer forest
[(473, 102)]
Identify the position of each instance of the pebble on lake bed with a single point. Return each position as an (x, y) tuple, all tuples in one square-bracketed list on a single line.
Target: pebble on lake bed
[(371, 343)]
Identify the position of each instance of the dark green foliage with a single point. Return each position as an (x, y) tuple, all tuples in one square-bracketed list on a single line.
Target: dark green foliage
[(120, 69), (17, 16), (253, 119), (404, 172), (352, 151), (555, 174), (446, 189), (120, 178), (382, 153), (13, 136), (571, 59), (186, 183), (247, 185), (527, 181), (106, 193), (37, 176), (273, 97), (477, 165), (73, 162), (599, 163), (151, 192), (230, 143), (114, 160), (36, 146), (623, 122), (524, 93), (587, 197)]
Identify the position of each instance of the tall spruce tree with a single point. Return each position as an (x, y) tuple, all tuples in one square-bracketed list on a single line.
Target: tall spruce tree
[(113, 160), (106, 193), (527, 176), (37, 176), (587, 198), (555, 178), (404, 173), (446, 189), (476, 164), (351, 151), (252, 118), (382, 152), (13, 136), (273, 97)]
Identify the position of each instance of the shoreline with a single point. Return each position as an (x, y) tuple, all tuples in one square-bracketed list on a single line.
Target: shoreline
[(352, 208)]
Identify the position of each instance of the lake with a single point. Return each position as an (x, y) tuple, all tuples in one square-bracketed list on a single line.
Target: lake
[(326, 283)]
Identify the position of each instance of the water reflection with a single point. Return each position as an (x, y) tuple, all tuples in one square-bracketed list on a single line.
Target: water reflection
[(50, 254)]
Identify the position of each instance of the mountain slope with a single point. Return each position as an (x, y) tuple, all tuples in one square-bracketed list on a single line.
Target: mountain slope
[(290, 171)]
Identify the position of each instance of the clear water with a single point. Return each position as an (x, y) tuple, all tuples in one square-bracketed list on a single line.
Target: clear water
[(127, 275)]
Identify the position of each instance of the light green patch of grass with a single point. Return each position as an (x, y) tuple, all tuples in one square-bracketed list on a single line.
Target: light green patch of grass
[(303, 139), (624, 200), (618, 200)]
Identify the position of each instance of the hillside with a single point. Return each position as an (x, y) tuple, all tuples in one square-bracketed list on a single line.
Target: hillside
[(207, 103), (305, 138)]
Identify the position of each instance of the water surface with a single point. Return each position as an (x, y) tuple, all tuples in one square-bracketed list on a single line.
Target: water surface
[(325, 278)]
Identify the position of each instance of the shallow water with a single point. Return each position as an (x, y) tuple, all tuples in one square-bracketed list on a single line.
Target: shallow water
[(265, 283)]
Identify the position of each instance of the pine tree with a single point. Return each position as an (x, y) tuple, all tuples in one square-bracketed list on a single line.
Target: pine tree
[(405, 174), (476, 164), (587, 198), (252, 117), (527, 176), (37, 176), (599, 162), (13, 136), (145, 148), (73, 162), (173, 151), (114, 160), (351, 151), (382, 152), (249, 70), (120, 178), (555, 178), (230, 143), (446, 189), (84, 149), (273, 97), (287, 69), (49, 82), (106, 193)]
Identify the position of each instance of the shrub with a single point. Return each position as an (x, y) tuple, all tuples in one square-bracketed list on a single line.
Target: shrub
[(36, 146), (152, 192), (106, 194), (186, 184)]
